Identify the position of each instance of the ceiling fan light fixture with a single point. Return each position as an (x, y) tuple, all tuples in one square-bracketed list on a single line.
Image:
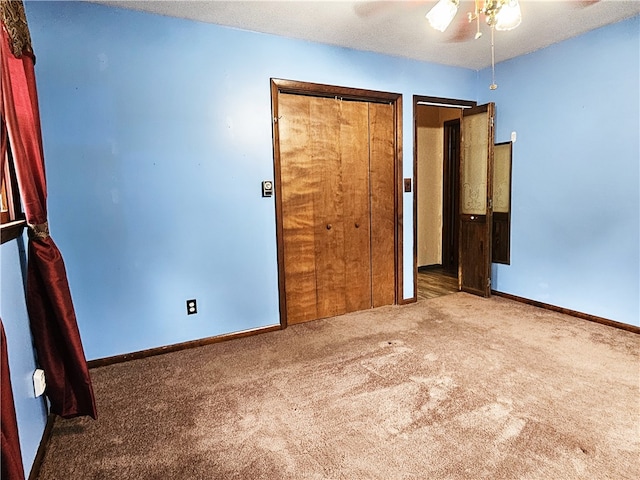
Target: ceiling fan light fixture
[(509, 16), (441, 15)]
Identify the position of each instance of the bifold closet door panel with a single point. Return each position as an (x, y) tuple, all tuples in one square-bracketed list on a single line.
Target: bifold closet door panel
[(325, 165), (382, 179), (301, 192), (354, 152)]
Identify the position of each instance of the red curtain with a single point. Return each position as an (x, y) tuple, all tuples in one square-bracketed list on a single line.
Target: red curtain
[(51, 313), (9, 442)]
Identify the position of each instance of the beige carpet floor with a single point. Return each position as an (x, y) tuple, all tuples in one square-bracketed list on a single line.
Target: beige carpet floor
[(456, 387)]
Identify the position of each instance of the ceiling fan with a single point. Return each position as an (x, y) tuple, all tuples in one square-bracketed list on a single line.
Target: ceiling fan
[(503, 14), (500, 15)]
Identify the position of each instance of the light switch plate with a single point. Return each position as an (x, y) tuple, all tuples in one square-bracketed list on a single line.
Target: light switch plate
[(267, 188)]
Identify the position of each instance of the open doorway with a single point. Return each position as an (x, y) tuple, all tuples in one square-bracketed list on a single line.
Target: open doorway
[(437, 165)]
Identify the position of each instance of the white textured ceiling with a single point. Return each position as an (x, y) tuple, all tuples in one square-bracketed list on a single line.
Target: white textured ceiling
[(399, 27)]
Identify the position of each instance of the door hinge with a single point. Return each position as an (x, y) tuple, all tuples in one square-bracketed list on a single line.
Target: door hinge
[(491, 120), (488, 283), (490, 204)]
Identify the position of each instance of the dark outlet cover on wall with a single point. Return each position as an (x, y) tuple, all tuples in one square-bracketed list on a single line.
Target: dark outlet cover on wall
[(192, 307), (407, 184)]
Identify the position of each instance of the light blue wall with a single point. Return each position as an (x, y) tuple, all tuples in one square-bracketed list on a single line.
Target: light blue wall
[(576, 110), (157, 135), (30, 411)]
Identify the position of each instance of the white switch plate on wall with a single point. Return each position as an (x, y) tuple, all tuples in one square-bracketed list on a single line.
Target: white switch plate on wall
[(39, 383)]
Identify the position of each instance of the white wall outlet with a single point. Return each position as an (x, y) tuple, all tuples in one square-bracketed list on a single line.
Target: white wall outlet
[(513, 137), (39, 383)]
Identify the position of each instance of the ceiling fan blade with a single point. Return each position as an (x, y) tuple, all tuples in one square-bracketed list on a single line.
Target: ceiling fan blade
[(584, 3), (461, 31), (377, 7), (369, 9)]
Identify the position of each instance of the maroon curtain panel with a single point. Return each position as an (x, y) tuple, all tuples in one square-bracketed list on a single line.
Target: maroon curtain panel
[(9, 441), (51, 313)]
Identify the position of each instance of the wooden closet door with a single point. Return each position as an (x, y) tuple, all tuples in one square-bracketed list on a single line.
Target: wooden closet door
[(354, 153), (324, 157), (300, 193), (382, 177), (337, 192), (325, 163)]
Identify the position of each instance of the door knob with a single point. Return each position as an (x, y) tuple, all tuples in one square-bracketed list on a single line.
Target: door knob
[(357, 225), (328, 226)]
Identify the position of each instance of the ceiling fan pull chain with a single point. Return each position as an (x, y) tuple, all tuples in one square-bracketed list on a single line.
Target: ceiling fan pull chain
[(493, 85)]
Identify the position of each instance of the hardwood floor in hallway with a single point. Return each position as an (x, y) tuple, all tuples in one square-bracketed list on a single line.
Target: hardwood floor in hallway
[(435, 282)]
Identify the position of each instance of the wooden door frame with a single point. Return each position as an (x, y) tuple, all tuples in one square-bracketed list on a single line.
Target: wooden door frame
[(434, 102), (319, 90)]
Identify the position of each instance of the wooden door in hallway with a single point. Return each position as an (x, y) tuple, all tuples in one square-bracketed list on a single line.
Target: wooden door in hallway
[(451, 195), (476, 192), (335, 178)]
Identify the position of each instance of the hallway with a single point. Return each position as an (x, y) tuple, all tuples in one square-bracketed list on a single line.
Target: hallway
[(435, 282)]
